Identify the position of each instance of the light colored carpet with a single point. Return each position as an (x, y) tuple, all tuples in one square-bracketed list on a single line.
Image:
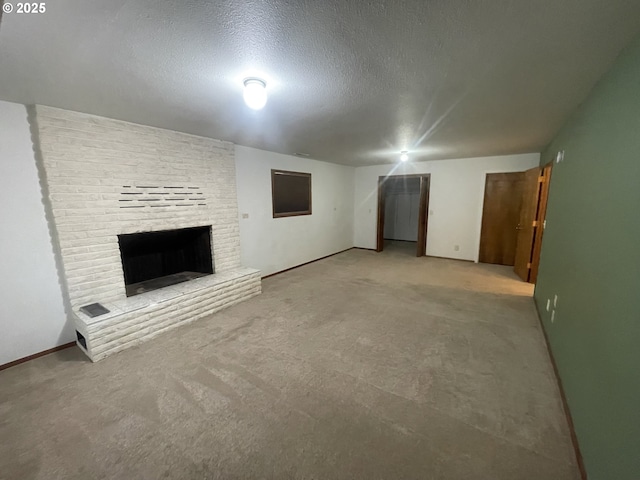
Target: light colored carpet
[(359, 366)]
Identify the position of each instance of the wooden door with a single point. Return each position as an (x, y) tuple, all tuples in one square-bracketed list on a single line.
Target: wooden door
[(500, 216), (422, 217), (527, 224), (542, 213)]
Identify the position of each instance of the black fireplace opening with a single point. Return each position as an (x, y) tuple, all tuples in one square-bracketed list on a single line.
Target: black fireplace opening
[(153, 260)]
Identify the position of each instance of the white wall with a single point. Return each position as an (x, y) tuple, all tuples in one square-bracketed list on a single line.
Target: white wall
[(275, 244), (32, 315), (455, 200)]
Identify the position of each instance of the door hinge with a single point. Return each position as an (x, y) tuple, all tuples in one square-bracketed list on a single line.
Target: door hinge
[(529, 265), (541, 179), (535, 223)]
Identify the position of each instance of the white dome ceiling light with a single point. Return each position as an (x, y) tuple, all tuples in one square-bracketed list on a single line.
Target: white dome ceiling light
[(404, 156), (255, 93)]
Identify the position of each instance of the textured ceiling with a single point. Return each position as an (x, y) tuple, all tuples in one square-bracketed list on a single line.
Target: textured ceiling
[(349, 81)]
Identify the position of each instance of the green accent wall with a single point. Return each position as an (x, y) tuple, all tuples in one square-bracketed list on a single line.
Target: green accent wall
[(591, 260)]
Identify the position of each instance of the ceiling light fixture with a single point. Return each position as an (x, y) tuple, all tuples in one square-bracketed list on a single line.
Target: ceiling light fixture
[(404, 156), (255, 93)]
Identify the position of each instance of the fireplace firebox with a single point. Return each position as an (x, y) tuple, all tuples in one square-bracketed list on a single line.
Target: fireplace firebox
[(153, 260)]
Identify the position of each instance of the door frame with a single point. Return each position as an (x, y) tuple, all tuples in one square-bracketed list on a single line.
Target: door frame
[(423, 214)]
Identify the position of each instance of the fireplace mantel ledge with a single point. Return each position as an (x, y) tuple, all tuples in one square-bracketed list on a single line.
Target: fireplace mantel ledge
[(155, 297)]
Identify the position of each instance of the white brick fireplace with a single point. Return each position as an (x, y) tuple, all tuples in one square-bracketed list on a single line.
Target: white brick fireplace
[(107, 178)]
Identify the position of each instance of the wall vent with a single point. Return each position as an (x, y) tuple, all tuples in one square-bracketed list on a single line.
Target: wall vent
[(81, 340)]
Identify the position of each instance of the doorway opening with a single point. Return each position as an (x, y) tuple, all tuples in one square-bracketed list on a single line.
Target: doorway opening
[(403, 206)]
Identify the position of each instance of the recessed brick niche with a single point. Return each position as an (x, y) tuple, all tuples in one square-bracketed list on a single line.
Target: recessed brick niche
[(108, 178)]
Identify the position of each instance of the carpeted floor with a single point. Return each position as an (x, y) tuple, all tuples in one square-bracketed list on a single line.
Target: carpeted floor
[(359, 366)]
